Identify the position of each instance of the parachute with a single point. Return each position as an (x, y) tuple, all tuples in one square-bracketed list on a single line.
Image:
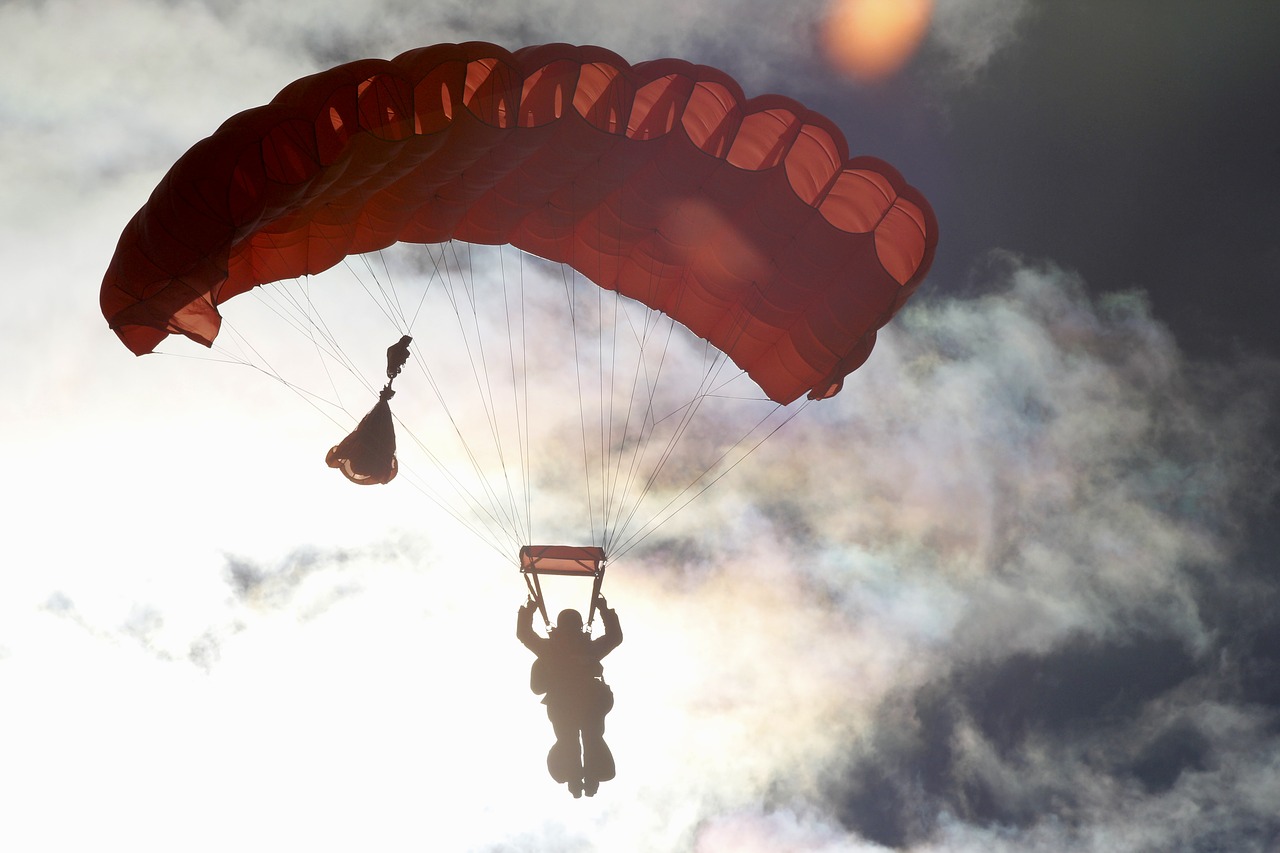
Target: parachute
[(743, 219)]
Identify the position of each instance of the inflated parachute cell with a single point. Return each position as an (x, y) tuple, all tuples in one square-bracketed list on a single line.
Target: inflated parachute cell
[(744, 219)]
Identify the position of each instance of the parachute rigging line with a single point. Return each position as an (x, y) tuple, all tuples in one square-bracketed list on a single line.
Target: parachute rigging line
[(742, 219)]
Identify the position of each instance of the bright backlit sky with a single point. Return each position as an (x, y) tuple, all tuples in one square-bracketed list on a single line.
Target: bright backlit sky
[(1010, 590)]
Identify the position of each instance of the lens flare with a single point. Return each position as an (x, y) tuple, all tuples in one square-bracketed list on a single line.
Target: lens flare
[(870, 40)]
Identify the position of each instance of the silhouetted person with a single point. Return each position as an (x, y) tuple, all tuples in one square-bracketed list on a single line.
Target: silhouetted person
[(397, 355), (569, 671)]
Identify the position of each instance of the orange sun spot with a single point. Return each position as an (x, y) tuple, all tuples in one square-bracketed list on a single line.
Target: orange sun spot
[(871, 39)]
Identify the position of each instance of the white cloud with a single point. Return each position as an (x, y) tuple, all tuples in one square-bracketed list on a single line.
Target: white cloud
[(969, 33), (925, 521)]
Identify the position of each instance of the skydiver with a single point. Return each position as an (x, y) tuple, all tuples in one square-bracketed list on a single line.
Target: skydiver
[(397, 355), (568, 670)]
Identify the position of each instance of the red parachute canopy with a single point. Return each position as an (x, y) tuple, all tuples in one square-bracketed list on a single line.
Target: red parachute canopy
[(744, 219)]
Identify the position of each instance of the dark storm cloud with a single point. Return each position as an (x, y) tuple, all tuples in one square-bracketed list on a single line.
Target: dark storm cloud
[(970, 743)]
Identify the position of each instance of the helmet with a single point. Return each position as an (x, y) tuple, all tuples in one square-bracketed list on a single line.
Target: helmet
[(569, 620)]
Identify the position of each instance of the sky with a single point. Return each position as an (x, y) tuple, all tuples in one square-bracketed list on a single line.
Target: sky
[(1013, 589)]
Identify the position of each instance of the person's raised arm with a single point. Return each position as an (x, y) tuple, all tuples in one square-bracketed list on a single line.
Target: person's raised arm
[(612, 629), (524, 627)]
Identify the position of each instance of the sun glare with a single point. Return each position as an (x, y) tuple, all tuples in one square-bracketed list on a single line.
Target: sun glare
[(870, 40)]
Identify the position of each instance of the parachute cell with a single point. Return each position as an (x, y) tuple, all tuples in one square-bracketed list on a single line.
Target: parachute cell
[(743, 219)]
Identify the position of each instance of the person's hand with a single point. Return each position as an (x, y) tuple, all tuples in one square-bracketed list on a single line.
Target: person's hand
[(529, 604), (601, 603)]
